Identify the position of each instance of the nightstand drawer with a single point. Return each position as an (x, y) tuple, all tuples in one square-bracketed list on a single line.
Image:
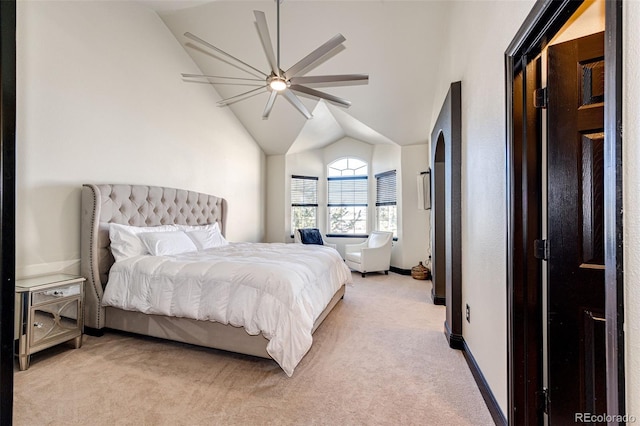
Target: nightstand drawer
[(55, 294), (54, 321)]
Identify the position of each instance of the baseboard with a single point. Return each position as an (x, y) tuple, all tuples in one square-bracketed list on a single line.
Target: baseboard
[(438, 300), (485, 390), (400, 270), (456, 341)]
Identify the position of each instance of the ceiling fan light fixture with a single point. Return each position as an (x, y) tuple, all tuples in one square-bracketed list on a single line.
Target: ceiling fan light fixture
[(278, 84)]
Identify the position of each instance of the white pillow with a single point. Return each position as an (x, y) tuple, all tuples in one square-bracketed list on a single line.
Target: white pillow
[(167, 243), (207, 238), (213, 226), (125, 242)]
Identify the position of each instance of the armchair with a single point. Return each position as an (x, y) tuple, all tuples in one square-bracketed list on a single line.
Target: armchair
[(312, 236), (371, 255)]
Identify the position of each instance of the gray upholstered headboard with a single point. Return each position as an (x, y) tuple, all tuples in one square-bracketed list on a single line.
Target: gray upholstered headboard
[(136, 205)]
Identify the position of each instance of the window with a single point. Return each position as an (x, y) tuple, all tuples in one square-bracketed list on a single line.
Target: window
[(304, 202), (386, 205), (347, 183)]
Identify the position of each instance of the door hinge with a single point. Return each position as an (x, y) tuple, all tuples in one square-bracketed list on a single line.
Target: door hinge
[(543, 400), (541, 249), (540, 98)]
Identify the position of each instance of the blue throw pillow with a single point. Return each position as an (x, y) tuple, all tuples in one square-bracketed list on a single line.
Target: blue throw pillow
[(311, 236)]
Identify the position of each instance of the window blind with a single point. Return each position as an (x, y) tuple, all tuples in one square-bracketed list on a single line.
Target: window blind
[(386, 188), (304, 191), (347, 191)]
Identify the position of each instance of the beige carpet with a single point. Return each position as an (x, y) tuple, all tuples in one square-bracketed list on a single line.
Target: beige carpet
[(380, 358)]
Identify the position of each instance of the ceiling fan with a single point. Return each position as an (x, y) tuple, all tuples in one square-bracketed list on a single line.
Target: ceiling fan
[(279, 82)]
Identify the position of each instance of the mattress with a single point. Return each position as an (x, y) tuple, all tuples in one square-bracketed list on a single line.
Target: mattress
[(275, 289)]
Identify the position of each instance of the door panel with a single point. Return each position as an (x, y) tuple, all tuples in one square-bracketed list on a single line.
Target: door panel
[(576, 343), (593, 200)]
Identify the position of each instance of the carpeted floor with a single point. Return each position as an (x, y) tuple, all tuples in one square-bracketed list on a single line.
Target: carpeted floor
[(380, 358)]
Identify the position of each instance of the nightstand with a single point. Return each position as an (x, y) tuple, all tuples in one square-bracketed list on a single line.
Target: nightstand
[(49, 311)]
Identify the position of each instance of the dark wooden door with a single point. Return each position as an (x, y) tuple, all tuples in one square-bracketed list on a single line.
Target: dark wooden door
[(575, 318)]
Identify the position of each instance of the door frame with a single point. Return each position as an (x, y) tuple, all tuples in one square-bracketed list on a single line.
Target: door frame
[(525, 399), (7, 203)]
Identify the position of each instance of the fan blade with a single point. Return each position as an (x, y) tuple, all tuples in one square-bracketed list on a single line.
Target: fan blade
[(240, 81), (315, 55), (270, 102), (263, 31), (341, 78), (211, 46), (319, 94), (219, 76), (296, 102), (235, 98), (220, 83)]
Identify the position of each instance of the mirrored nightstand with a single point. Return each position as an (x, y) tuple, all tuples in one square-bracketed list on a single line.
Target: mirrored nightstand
[(49, 311)]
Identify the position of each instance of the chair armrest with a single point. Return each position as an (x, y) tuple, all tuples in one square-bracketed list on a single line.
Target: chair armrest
[(348, 248), (328, 244)]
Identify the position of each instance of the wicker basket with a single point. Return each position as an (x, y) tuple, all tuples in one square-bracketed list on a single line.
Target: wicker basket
[(420, 272)]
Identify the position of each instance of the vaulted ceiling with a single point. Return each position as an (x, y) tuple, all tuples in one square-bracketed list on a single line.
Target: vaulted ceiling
[(399, 44)]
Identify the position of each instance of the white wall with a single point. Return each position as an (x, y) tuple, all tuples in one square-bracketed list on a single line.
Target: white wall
[(101, 100), (277, 216), (479, 34), (414, 227), (631, 197)]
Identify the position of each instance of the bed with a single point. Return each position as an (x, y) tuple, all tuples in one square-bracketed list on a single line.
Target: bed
[(312, 278)]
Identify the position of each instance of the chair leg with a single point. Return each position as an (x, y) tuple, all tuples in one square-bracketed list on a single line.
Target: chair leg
[(386, 272)]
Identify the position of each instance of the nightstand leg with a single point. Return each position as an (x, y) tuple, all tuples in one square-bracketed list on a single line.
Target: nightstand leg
[(23, 357), (24, 362), (78, 342)]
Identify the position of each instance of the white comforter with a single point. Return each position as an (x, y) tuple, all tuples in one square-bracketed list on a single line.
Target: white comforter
[(275, 289)]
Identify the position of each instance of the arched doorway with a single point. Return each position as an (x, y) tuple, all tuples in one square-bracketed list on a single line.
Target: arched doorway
[(438, 218), (447, 214)]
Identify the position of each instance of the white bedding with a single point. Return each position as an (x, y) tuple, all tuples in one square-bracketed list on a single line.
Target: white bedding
[(275, 289)]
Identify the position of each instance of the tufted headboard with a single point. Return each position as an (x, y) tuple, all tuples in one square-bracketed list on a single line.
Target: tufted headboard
[(136, 205)]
